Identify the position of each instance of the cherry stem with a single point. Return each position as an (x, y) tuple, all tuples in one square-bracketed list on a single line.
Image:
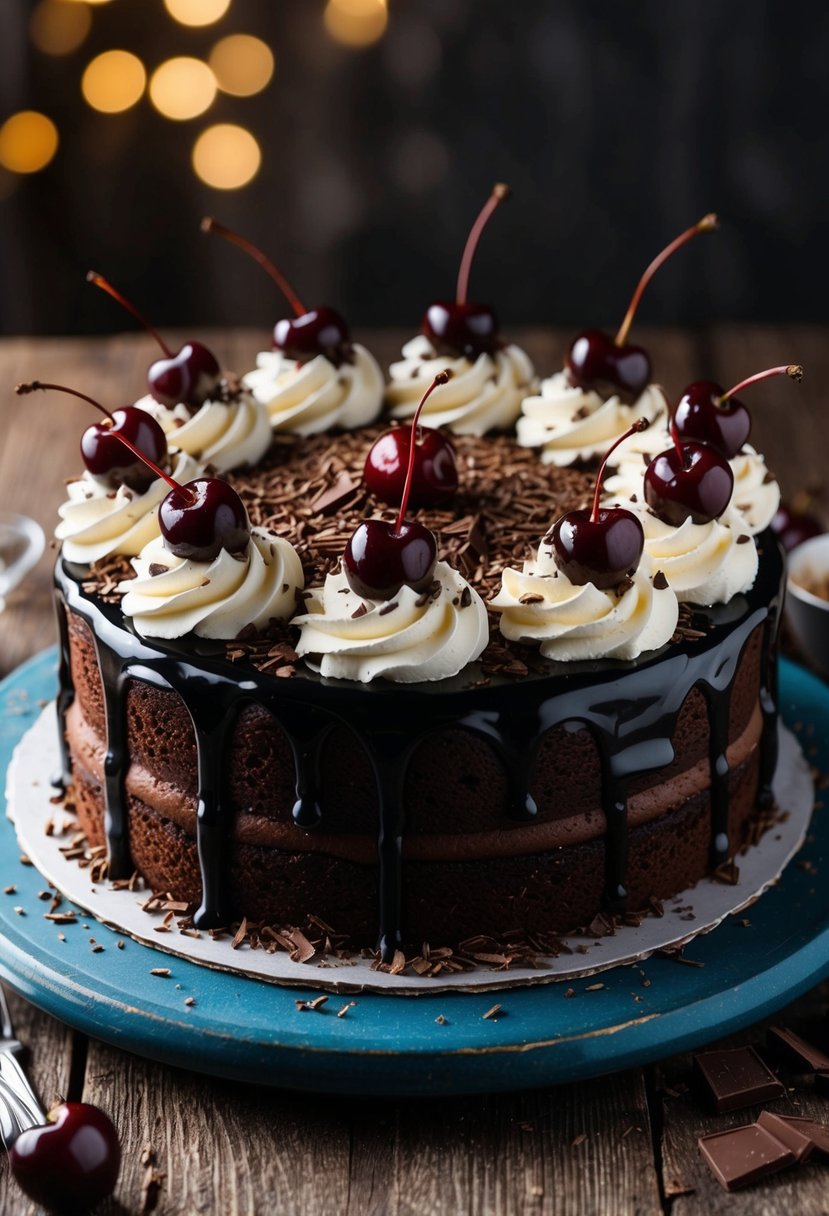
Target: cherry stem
[(674, 433), (500, 192), (441, 378), (793, 370), (35, 385), (707, 224), (208, 224), (92, 276), (641, 424)]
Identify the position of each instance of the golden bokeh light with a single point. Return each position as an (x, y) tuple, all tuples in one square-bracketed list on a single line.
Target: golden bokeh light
[(182, 88), (58, 27), (356, 22), (113, 81), (226, 156), (28, 141), (197, 12), (243, 65)]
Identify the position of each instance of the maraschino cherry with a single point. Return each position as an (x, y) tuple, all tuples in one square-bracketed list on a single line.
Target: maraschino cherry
[(610, 366), (103, 453), (457, 327), (197, 519), (690, 480), (311, 331), (381, 557), (188, 377), (601, 546), (707, 413), (435, 478), (69, 1163)]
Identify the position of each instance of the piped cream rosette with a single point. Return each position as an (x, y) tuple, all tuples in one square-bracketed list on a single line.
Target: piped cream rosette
[(569, 424), (305, 398), (412, 637), (171, 596), (704, 563), (482, 396), (226, 434), (540, 605), (97, 521)]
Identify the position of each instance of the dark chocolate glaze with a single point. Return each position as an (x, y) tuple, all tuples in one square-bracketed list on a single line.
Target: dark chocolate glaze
[(631, 710)]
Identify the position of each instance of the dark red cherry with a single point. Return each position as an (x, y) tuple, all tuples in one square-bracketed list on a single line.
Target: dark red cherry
[(594, 362), (320, 331), (792, 527), (70, 1163), (703, 414), (707, 413), (201, 518), (609, 366), (435, 478), (601, 546), (602, 551), (188, 377), (311, 331), (456, 327), (110, 461), (461, 329), (380, 558), (104, 445), (691, 480)]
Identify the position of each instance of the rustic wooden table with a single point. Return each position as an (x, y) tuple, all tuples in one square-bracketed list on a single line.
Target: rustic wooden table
[(616, 1145)]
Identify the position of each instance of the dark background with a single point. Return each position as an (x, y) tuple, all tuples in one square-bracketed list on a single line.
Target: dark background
[(616, 124)]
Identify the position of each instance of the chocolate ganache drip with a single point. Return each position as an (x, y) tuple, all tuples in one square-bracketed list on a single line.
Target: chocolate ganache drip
[(630, 709)]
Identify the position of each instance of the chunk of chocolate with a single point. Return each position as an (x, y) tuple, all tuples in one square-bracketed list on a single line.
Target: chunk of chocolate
[(816, 1132), (797, 1052), (786, 1130), (743, 1155), (736, 1077)]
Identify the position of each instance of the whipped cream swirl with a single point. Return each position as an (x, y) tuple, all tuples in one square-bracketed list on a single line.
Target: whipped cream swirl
[(171, 596), (224, 434), (570, 424), (756, 494), (704, 563), (97, 521), (540, 605), (305, 398), (411, 638), (481, 396)]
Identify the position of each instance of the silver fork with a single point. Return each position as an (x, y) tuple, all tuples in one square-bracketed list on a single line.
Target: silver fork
[(20, 1106)]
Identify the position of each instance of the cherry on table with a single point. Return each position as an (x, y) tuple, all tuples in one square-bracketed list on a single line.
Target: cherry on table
[(601, 546), (688, 481), (708, 413), (609, 365), (382, 557), (70, 1163), (187, 377), (458, 327), (792, 526), (102, 448), (311, 331)]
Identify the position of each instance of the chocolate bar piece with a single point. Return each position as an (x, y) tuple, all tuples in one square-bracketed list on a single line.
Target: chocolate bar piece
[(803, 1056), (736, 1077), (744, 1155), (793, 1133), (818, 1133)]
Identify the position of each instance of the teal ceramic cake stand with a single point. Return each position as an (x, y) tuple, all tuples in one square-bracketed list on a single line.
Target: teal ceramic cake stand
[(427, 1044)]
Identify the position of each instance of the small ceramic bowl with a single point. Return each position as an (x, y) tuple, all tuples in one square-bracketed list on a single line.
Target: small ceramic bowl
[(807, 613)]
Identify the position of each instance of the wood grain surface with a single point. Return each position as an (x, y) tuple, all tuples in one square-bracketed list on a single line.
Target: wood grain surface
[(620, 1145)]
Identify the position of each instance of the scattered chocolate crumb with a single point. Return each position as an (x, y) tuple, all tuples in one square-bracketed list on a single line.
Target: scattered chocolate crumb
[(441, 1020), (594, 987), (20, 911), (164, 972), (743, 539), (157, 568), (189, 1000), (10, 890), (659, 581), (490, 1013)]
